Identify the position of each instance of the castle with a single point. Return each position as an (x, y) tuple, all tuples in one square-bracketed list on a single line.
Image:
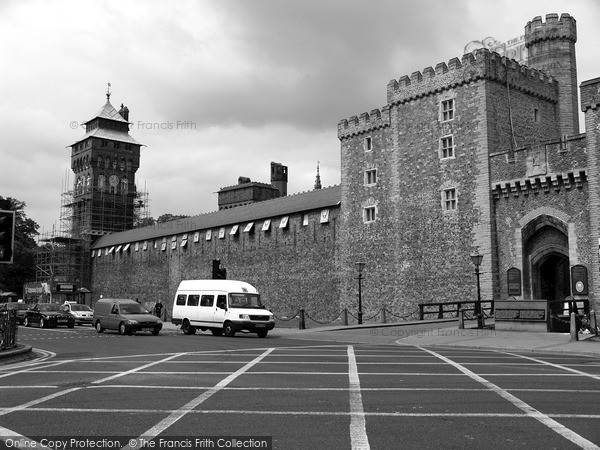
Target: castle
[(479, 155)]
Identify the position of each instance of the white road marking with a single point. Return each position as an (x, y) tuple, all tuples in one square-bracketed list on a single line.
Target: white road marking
[(529, 410), (23, 406), (137, 369), (178, 414), (308, 413), (358, 428), (558, 366)]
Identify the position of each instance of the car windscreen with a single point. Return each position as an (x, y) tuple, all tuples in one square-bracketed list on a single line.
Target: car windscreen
[(80, 308), (133, 308), (49, 307), (244, 301)]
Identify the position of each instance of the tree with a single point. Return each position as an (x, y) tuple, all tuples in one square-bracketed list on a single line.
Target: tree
[(13, 276), (169, 217)]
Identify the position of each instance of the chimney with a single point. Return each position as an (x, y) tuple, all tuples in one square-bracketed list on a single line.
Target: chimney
[(124, 112)]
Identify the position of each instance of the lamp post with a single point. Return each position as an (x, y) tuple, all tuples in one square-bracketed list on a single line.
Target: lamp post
[(477, 258), (360, 266)]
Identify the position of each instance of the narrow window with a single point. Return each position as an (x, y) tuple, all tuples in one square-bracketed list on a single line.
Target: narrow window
[(369, 214), (447, 147), (368, 144), (370, 176), (536, 115), (193, 300), (447, 110), (449, 199)]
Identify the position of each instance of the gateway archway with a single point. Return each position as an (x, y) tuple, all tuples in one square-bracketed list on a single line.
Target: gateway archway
[(546, 259)]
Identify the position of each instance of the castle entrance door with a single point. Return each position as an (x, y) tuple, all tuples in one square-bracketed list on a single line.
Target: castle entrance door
[(551, 279), (546, 263)]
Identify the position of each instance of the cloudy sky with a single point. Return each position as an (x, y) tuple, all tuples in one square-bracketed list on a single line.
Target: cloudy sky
[(218, 89)]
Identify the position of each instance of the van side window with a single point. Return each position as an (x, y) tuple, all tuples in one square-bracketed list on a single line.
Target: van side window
[(221, 301), (207, 300), (193, 300), (181, 299), (114, 310)]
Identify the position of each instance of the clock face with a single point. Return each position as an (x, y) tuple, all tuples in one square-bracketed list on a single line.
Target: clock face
[(113, 180)]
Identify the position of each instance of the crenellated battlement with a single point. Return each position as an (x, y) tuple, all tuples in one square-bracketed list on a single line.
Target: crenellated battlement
[(364, 123), (554, 28), (472, 67)]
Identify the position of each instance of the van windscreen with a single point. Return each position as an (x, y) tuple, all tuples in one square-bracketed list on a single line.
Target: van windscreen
[(133, 308), (244, 301)]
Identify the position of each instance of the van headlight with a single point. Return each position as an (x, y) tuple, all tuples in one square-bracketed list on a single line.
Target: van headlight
[(132, 322), (244, 316)]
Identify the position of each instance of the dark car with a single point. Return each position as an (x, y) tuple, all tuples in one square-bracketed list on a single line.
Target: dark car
[(48, 315)]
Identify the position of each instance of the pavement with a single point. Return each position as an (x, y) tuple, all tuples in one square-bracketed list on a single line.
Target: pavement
[(441, 333)]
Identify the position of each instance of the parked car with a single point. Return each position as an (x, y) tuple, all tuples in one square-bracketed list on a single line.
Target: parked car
[(48, 315), (83, 314), (20, 307), (124, 315)]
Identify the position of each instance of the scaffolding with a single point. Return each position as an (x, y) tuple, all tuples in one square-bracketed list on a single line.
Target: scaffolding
[(84, 217)]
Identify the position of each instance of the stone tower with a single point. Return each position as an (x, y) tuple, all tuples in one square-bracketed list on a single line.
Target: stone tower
[(104, 162), (551, 48), (279, 178)]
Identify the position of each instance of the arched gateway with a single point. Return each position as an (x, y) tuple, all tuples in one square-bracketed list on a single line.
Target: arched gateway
[(546, 259)]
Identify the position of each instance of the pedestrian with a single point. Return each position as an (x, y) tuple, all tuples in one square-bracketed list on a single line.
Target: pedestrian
[(158, 308)]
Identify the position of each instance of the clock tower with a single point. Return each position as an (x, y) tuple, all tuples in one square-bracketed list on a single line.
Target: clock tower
[(104, 161)]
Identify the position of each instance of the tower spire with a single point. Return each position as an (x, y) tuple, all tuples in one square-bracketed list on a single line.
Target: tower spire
[(108, 93), (318, 179)]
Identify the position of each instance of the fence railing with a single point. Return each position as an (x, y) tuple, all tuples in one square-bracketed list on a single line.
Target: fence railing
[(444, 310), (345, 317), (8, 329)]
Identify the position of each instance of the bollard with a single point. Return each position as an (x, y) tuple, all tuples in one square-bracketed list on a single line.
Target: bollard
[(301, 324), (345, 316), (574, 334), (382, 316), (594, 321), (461, 319)]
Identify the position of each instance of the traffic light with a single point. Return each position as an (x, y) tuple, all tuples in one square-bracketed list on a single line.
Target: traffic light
[(217, 272), (7, 236)]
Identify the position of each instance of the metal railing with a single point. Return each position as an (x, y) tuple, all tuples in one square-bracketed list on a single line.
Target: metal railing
[(443, 310), (8, 329)]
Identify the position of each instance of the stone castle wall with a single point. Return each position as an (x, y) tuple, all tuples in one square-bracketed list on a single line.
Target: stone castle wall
[(292, 267)]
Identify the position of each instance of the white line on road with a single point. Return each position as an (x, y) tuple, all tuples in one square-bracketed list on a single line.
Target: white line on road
[(557, 366), (306, 413), (529, 410), (128, 372), (176, 415), (358, 428)]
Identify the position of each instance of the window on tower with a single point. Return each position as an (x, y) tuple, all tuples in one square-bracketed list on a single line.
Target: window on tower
[(447, 110)]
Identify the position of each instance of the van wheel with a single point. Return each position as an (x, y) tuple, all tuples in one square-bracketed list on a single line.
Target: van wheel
[(122, 329), (228, 330), (187, 328), (26, 322), (216, 331), (262, 333), (42, 323), (99, 327)]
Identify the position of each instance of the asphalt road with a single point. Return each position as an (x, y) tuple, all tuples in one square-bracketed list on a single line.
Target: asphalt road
[(115, 391)]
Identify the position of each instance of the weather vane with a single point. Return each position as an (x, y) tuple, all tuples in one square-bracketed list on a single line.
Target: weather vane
[(108, 93)]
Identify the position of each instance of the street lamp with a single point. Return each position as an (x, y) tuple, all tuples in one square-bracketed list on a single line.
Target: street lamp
[(477, 258), (360, 266)]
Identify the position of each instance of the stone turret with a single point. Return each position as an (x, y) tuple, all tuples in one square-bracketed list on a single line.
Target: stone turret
[(551, 48)]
